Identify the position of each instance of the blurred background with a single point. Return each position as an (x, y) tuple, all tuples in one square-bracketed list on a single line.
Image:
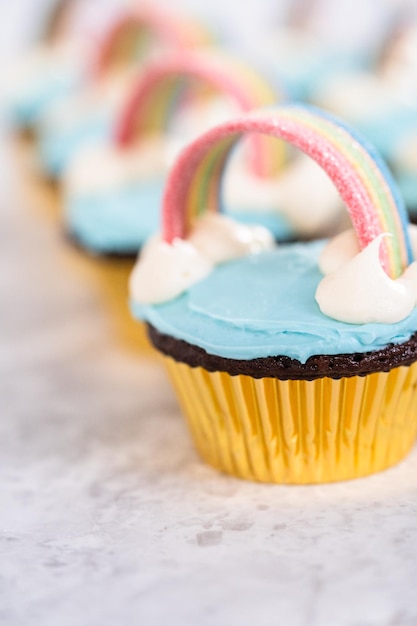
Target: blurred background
[(350, 23)]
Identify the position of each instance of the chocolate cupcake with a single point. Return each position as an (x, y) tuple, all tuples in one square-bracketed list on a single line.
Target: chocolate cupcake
[(293, 363)]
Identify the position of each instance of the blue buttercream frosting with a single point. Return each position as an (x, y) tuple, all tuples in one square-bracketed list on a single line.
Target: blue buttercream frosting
[(388, 128), (407, 183), (264, 305), (118, 221), (121, 220), (302, 76), (58, 145)]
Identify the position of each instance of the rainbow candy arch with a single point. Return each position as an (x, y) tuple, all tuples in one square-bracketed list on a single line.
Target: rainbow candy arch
[(176, 33), (358, 173), (156, 97)]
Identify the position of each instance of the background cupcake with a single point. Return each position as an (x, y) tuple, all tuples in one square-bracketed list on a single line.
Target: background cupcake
[(87, 116), (50, 70)]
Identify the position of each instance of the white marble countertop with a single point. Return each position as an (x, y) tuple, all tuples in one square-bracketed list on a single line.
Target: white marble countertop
[(107, 516)]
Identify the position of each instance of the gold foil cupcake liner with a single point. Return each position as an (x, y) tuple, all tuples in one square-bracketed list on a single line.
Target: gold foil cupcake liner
[(297, 431), (113, 276), (37, 192)]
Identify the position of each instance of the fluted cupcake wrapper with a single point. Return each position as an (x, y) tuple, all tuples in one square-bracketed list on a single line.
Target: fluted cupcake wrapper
[(113, 276), (39, 194), (299, 431)]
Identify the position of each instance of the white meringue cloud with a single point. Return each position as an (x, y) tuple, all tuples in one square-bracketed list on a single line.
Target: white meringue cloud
[(102, 167), (338, 251), (164, 271), (220, 238), (310, 207), (359, 291)]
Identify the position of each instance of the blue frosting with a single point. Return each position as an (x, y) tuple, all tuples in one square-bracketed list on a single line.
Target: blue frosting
[(122, 220), (117, 221), (304, 75), (387, 129), (58, 146), (26, 110), (264, 305), (407, 183)]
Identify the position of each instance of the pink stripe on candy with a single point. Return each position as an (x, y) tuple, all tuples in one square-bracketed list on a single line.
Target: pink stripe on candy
[(352, 190)]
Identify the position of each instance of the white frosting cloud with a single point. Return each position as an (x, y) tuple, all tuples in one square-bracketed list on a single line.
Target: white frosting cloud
[(340, 95), (196, 115), (193, 119), (106, 94), (44, 62), (310, 207), (221, 239), (164, 271), (100, 166), (357, 290), (339, 251)]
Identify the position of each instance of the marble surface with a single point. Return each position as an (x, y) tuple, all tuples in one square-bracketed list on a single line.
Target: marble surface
[(108, 517)]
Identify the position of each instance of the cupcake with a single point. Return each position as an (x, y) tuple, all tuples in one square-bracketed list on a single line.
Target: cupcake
[(302, 61), (382, 106), (87, 116), (307, 48), (48, 72), (370, 102), (398, 63), (293, 363)]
